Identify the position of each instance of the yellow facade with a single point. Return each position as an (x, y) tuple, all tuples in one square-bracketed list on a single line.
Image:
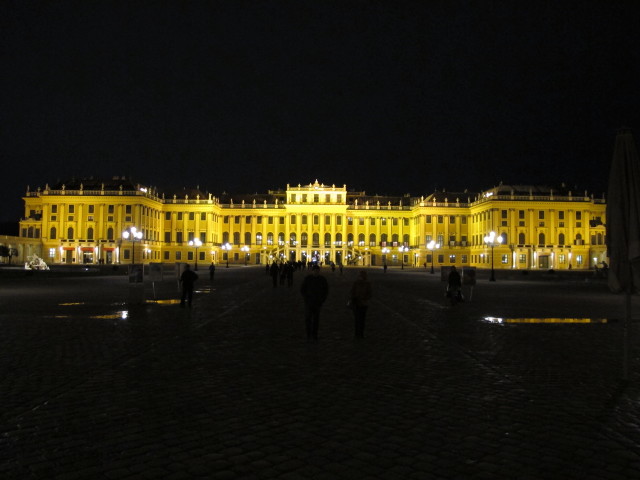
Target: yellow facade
[(83, 222)]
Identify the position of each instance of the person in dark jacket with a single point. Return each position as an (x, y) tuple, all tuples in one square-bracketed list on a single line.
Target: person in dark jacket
[(314, 290), (454, 286), (187, 279), (360, 296)]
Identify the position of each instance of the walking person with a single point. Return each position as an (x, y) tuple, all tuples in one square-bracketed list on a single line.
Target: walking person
[(454, 286), (360, 296), (273, 271), (187, 279), (212, 271), (314, 290)]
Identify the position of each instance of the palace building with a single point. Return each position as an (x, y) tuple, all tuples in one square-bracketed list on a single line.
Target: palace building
[(91, 221)]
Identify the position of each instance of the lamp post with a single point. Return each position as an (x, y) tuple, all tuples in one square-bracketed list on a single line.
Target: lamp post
[(402, 249), (196, 242), (227, 248), (385, 251), (492, 240), (135, 235), (431, 246), (245, 249)]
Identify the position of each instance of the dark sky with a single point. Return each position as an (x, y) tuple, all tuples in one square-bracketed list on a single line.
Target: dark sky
[(389, 97)]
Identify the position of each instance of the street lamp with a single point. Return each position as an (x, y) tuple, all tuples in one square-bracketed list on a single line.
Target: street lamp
[(227, 248), (431, 246), (196, 242), (385, 251), (492, 240), (135, 235), (245, 249), (402, 249)]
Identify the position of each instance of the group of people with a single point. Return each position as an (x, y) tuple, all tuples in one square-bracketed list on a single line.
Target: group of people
[(314, 290)]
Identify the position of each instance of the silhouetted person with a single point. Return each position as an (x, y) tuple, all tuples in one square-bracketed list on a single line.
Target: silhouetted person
[(314, 290), (454, 285), (212, 271), (187, 279), (360, 296), (274, 271)]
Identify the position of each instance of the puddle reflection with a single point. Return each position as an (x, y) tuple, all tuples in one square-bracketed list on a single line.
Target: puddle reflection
[(544, 320), (123, 315), (168, 301)]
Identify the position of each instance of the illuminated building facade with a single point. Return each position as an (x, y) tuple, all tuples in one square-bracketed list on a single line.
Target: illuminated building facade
[(82, 222)]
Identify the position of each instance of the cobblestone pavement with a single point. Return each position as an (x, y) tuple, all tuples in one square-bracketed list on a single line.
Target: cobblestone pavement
[(97, 384)]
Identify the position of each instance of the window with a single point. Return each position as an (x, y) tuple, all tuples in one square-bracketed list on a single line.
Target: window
[(428, 218), (178, 237), (540, 214), (339, 220), (91, 208), (304, 239), (70, 233), (452, 259), (578, 215), (236, 219), (281, 222), (562, 258), (361, 240), (339, 198), (316, 219), (521, 238), (464, 259), (293, 198), (178, 255), (90, 233), (579, 260), (72, 209), (110, 233), (167, 237), (361, 221), (167, 216), (128, 209), (203, 216), (166, 255), (503, 214), (327, 219), (226, 219), (293, 219), (258, 239), (541, 239), (269, 238), (561, 239), (440, 219), (315, 240), (179, 215), (405, 222), (561, 215), (54, 208), (327, 198), (304, 198), (316, 198), (327, 240), (189, 255), (52, 233), (452, 219), (373, 221), (270, 220), (383, 221), (521, 214), (522, 258), (304, 219)]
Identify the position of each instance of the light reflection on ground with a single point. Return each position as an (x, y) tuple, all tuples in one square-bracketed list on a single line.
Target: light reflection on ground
[(68, 304), (124, 314), (165, 302), (544, 320)]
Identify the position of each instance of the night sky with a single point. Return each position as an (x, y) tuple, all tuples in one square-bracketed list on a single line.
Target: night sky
[(389, 97)]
